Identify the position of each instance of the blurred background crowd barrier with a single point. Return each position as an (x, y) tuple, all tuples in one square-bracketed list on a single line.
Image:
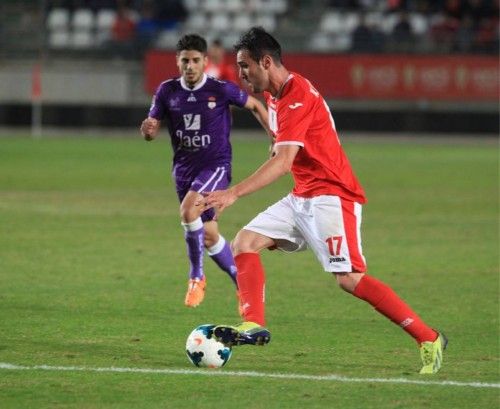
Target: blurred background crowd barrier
[(398, 65)]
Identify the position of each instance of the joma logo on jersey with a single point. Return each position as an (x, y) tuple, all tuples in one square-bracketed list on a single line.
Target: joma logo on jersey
[(192, 122)]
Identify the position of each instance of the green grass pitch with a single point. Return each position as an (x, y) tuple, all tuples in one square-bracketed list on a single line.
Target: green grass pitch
[(93, 274)]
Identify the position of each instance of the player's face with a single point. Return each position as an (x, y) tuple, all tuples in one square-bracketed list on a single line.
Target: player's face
[(252, 72), (216, 54), (191, 64)]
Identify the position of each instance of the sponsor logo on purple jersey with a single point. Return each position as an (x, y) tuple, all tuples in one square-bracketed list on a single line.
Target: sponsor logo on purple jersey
[(198, 121)]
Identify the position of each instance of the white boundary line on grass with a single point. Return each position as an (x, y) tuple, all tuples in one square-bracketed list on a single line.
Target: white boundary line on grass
[(212, 372)]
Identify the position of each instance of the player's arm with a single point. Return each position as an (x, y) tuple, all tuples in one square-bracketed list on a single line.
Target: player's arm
[(260, 112), (149, 128), (275, 167)]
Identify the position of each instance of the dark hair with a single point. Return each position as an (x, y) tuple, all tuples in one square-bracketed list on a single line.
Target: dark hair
[(192, 42), (217, 42), (258, 42)]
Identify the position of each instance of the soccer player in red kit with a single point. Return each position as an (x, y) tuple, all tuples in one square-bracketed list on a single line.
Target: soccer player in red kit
[(217, 66), (323, 211)]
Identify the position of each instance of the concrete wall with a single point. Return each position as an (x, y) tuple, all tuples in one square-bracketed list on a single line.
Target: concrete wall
[(75, 82)]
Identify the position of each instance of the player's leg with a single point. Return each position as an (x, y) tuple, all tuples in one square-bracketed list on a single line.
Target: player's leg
[(385, 300), (333, 232), (208, 180), (272, 228), (194, 235), (219, 250), (193, 219), (371, 290), (251, 287), (251, 275)]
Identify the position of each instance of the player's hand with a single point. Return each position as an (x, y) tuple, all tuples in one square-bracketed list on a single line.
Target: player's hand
[(219, 200), (149, 128)]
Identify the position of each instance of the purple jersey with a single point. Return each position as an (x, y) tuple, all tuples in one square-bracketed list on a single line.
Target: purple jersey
[(198, 120)]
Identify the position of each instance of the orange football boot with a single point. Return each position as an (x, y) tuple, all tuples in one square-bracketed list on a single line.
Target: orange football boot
[(195, 292)]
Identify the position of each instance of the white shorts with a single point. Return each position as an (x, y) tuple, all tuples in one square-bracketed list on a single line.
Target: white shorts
[(329, 225)]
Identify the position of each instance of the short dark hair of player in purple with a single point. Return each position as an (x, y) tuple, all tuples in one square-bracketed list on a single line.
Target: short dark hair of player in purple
[(258, 42), (192, 42)]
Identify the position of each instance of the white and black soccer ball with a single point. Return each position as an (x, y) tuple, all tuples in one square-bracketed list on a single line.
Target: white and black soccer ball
[(204, 351)]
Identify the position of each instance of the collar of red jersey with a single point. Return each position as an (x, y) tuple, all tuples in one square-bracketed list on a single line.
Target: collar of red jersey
[(280, 91)]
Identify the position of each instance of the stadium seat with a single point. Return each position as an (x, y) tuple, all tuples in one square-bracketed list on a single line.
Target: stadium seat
[(242, 22), (59, 39), (230, 39), (331, 22), (191, 5), (419, 23), (324, 42), (341, 42), (83, 19), (234, 6), (321, 42), (389, 22), (105, 19), (268, 21), (58, 18), (104, 22), (340, 23), (213, 6), (82, 39), (350, 22), (220, 22), (374, 19), (196, 22), (272, 6), (167, 39)]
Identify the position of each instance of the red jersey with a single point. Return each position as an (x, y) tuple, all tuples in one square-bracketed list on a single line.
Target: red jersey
[(223, 71), (300, 116)]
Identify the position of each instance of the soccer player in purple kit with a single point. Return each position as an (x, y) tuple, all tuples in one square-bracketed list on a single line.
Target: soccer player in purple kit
[(196, 109)]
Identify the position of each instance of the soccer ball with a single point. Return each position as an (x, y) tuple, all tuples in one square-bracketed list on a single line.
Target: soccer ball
[(204, 351)]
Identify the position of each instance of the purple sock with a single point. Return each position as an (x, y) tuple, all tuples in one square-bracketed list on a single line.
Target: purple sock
[(221, 254), (195, 247)]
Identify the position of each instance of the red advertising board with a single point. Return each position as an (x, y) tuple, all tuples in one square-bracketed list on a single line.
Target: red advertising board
[(398, 77)]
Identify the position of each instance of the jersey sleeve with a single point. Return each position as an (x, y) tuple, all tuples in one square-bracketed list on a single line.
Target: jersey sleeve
[(294, 118), (235, 95), (158, 109)]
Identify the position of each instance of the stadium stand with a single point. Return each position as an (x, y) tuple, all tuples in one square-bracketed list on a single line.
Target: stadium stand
[(77, 39), (103, 24), (58, 19), (82, 24), (58, 26), (73, 27), (322, 26)]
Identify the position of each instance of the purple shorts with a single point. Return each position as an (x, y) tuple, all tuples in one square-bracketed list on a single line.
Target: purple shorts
[(207, 180)]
